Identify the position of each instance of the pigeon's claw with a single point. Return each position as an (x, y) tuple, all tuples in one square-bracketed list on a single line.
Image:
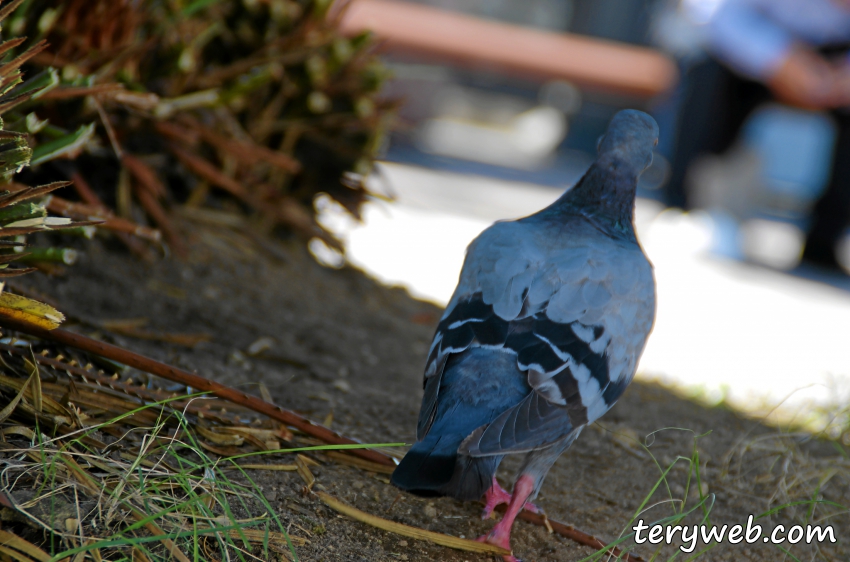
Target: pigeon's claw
[(496, 496), (502, 541), (500, 534)]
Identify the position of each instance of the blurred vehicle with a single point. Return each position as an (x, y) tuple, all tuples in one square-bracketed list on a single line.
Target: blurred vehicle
[(516, 89)]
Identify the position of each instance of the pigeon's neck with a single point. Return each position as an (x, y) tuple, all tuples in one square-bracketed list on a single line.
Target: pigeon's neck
[(605, 195)]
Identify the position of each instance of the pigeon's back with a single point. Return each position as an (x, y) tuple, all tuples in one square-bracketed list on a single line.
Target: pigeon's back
[(595, 293)]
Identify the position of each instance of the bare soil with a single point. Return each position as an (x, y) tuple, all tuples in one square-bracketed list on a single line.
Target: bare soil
[(346, 345)]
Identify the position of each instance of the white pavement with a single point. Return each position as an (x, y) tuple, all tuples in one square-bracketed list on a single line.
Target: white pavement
[(724, 329)]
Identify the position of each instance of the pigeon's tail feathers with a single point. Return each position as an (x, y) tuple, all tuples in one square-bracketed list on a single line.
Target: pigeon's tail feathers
[(472, 389), (426, 468), (434, 468), (472, 477)]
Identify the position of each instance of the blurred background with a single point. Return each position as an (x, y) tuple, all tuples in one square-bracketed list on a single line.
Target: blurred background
[(504, 101)]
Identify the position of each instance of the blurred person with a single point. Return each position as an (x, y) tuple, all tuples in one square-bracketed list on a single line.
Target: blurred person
[(791, 51)]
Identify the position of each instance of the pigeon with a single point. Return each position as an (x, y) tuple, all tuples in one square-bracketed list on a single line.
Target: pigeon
[(541, 337)]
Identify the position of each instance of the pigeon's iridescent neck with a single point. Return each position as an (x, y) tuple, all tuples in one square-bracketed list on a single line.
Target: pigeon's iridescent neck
[(605, 195)]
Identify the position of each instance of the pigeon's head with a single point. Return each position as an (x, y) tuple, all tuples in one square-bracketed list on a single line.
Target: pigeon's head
[(606, 193), (630, 138)]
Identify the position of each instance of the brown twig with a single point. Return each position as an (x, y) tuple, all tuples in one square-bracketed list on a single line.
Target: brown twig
[(216, 76), (197, 382), (248, 152), (285, 210), (9, 8), (158, 214), (110, 132), (107, 385), (16, 63), (88, 195), (81, 211), (11, 44), (149, 192), (74, 92), (177, 133), (146, 176), (574, 534), (293, 215), (213, 175)]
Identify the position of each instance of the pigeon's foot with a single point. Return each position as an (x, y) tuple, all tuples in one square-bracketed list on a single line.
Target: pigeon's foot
[(497, 495), (502, 539), (500, 535)]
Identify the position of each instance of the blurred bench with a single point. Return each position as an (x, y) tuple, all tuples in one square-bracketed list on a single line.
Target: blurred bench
[(462, 39)]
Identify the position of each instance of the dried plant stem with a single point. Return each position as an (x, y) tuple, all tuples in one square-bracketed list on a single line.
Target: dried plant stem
[(7, 46), (248, 152), (75, 92), (192, 380), (81, 211), (9, 540), (88, 195), (408, 531), (88, 379), (574, 534), (145, 175), (85, 191), (213, 175), (155, 211), (96, 488), (359, 463)]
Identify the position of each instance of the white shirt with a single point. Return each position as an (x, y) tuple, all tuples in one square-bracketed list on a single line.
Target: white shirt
[(754, 36)]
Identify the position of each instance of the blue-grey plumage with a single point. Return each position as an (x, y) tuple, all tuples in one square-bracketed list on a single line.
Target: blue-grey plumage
[(542, 335)]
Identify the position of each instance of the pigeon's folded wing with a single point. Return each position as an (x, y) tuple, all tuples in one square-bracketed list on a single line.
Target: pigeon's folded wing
[(576, 316)]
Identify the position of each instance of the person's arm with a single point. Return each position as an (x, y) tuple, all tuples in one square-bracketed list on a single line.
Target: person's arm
[(806, 79), (841, 97), (744, 38), (747, 40)]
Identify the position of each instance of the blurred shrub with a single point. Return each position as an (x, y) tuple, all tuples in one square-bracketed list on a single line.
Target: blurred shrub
[(258, 105)]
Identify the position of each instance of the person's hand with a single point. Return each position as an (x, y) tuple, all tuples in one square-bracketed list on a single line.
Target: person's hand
[(841, 95), (807, 80)]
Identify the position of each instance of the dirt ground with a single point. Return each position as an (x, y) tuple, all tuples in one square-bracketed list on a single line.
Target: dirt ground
[(346, 345)]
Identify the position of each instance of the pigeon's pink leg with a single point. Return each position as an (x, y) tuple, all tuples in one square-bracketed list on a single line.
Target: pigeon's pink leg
[(500, 535), (497, 495)]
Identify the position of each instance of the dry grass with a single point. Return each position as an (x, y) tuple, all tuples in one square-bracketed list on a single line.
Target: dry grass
[(123, 466)]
